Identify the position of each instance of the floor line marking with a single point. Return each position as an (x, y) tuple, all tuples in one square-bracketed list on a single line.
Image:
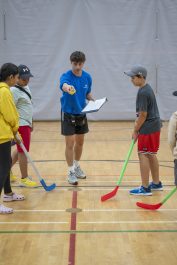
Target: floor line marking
[(94, 188), (95, 210), (109, 188), (109, 181), (36, 223), (113, 181), (41, 210), (72, 240), (87, 231), (124, 210), (129, 222), (94, 222)]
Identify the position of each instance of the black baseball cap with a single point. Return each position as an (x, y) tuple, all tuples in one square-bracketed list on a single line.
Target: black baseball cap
[(24, 72), (175, 93)]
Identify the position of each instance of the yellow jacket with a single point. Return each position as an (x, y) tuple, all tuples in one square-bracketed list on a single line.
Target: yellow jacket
[(9, 118)]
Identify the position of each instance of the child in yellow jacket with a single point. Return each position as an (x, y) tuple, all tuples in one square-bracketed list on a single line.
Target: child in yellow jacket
[(9, 123)]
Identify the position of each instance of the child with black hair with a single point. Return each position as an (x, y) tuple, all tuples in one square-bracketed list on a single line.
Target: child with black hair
[(23, 102), (9, 123)]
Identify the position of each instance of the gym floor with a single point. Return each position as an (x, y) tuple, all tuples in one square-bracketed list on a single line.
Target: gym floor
[(70, 225)]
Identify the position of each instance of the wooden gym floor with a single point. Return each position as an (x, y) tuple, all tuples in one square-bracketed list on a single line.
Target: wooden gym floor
[(70, 225)]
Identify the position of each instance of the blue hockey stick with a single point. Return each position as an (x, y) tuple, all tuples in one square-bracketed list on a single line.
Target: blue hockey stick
[(47, 188)]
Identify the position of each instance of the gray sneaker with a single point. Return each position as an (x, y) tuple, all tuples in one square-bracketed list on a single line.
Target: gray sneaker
[(72, 179), (79, 173)]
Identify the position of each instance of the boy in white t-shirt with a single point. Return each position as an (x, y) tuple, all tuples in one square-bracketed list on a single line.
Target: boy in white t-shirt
[(22, 98)]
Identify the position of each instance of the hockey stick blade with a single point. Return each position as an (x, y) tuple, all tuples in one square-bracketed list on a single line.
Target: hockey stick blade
[(158, 205), (47, 188), (149, 206), (110, 194)]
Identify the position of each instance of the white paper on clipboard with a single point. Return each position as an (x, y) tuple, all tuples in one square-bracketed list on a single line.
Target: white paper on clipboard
[(93, 106)]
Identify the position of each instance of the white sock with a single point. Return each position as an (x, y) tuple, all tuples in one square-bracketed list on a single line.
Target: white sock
[(76, 163), (71, 168)]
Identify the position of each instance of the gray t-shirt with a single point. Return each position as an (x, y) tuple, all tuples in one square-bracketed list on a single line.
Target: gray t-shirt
[(24, 105), (146, 102)]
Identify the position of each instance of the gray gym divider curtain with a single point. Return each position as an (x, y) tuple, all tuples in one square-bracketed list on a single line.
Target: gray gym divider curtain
[(114, 34)]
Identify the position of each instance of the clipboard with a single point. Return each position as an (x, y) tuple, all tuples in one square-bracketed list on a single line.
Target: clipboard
[(94, 106)]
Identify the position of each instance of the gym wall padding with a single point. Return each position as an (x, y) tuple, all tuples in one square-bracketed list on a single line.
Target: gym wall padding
[(114, 34)]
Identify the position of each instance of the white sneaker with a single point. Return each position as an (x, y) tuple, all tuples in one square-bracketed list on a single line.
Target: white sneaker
[(5, 210), (79, 173), (72, 179), (13, 197)]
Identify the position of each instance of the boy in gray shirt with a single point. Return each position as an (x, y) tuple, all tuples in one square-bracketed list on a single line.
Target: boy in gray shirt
[(146, 131)]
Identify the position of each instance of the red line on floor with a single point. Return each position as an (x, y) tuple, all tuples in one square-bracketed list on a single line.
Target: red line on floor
[(72, 241)]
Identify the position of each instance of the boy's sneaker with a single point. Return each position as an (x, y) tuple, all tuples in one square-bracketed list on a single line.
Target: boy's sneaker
[(79, 173), (72, 179), (141, 191), (13, 178), (154, 186), (26, 182)]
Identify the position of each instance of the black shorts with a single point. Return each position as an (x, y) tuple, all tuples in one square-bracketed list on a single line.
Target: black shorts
[(73, 124)]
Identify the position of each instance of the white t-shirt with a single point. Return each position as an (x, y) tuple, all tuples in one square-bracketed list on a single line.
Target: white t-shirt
[(24, 105)]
